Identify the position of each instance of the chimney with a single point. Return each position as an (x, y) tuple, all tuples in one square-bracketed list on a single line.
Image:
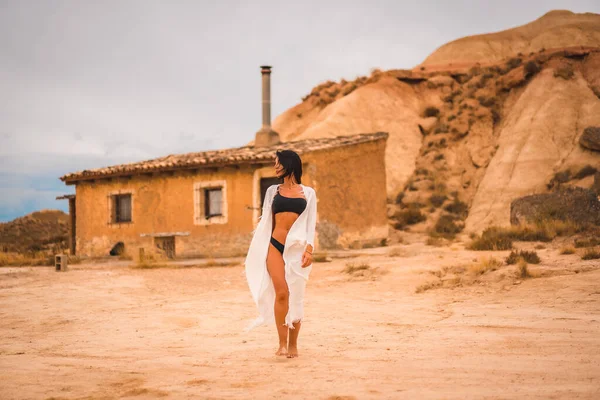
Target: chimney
[(266, 136)]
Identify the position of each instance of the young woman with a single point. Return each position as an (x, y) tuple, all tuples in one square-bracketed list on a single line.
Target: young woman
[(279, 259)]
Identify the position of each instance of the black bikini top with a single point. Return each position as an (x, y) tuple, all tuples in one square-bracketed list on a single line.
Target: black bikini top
[(293, 204)]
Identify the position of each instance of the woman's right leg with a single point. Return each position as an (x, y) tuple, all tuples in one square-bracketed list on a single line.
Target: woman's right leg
[(275, 266)]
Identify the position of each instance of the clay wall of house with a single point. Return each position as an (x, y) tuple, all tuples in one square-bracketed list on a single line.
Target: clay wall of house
[(351, 187), (163, 203)]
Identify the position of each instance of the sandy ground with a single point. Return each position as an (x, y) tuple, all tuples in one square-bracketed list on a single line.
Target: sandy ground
[(111, 331)]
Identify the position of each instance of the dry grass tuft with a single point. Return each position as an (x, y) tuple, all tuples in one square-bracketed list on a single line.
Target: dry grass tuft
[(529, 256), (397, 252), (497, 238), (458, 208), (565, 72), (321, 257), (428, 286), (19, 260), (410, 216), (434, 241), (154, 261), (431, 112), (522, 270), (567, 250), (352, 268), (485, 265), (437, 199), (579, 243), (591, 254), (447, 226)]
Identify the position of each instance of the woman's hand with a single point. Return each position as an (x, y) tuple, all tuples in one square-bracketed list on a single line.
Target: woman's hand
[(307, 259)]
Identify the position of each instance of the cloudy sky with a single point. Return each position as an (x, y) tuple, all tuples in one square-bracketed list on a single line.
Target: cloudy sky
[(85, 84)]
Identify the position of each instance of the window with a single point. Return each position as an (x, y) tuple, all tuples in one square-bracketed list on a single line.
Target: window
[(121, 208), (210, 202), (213, 202)]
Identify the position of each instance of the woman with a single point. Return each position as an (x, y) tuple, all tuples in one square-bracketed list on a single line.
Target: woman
[(279, 259)]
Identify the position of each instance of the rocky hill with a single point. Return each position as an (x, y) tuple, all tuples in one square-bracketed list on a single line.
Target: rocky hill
[(556, 29), (472, 130), (35, 232)]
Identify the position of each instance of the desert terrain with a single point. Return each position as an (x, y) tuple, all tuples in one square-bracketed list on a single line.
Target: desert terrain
[(380, 323)]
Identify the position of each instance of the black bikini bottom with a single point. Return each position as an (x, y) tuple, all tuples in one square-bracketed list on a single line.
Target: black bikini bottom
[(278, 245)]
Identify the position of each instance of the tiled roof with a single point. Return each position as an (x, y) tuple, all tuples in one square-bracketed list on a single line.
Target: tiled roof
[(232, 156)]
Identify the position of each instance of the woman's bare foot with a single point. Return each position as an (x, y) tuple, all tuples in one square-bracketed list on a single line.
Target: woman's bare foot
[(292, 352), (283, 351)]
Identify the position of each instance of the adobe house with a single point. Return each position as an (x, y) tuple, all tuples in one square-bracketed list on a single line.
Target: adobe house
[(209, 203)]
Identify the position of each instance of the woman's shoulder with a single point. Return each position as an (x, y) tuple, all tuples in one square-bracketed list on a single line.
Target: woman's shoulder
[(309, 189)]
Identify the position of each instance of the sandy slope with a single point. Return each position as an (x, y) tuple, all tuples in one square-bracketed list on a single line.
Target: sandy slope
[(386, 105), (538, 138), (558, 28), (103, 332)]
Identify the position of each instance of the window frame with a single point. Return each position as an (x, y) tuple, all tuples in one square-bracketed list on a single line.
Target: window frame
[(113, 199), (202, 214)]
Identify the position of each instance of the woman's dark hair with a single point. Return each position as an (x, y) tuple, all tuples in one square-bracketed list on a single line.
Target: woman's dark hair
[(291, 163)]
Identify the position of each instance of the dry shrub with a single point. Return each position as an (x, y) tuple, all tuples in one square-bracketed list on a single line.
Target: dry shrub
[(441, 128), (531, 68), (567, 250), (431, 112), (496, 116), (458, 208), (333, 92), (363, 270), (452, 276), (496, 238), (591, 254), (152, 260), (19, 260), (437, 199), (529, 256), (522, 270), (397, 253), (439, 187), (486, 101), (353, 267), (564, 71), (410, 216), (485, 265), (434, 241), (376, 71), (346, 90), (411, 186), (492, 238), (399, 198), (579, 243), (428, 285), (450, 98), (446, 226), (321, 257), (438, 157), (513, 63)]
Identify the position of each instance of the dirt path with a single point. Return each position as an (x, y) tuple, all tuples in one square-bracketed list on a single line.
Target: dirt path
[(104, 332)]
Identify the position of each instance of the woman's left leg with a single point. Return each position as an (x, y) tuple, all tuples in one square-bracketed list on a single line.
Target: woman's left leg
[(293, 340)]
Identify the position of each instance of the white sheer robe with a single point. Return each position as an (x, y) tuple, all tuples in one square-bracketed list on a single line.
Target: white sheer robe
[(299, 236)]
